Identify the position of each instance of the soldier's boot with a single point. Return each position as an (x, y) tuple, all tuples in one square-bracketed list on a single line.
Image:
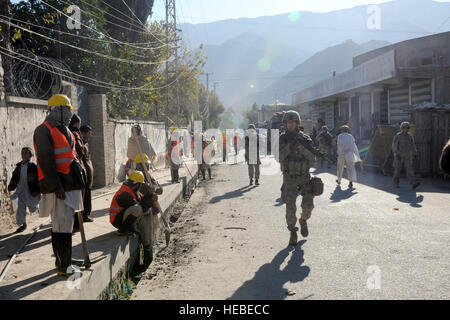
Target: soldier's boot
[(209, 173), (256, 182), (396, 185), (293, 239), (203, 174), (303, 228), (251, 182), (350, 185)]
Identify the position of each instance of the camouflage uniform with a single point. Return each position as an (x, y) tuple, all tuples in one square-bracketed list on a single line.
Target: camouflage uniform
[(295, 162), (404, 148)]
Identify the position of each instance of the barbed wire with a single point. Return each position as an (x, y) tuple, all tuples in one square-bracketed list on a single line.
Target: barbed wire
[(31, 81)]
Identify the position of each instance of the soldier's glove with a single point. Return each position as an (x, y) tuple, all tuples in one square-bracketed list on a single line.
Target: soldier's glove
[(317, 186)]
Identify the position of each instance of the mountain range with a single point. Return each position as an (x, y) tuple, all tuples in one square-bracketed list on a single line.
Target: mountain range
[(267, 58)]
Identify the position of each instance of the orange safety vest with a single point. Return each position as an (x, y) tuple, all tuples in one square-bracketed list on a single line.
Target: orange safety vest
[(115, 208), (64, 153), (174, 144), (224, 142)]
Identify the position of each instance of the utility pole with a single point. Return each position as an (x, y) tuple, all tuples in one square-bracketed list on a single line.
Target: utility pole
[(172, 50), (207, 99)]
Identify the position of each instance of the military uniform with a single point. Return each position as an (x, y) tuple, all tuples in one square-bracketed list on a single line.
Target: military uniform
[(295, 162), (404, 149)]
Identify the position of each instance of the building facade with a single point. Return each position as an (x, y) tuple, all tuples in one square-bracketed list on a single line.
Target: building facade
[(382, 85)]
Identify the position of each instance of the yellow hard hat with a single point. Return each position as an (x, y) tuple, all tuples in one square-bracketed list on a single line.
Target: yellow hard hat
[(137, 176), (174, 129), (139, 160), (59, 100)]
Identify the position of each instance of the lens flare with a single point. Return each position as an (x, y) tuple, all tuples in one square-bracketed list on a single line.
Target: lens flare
[(294, 16), (264, 64)]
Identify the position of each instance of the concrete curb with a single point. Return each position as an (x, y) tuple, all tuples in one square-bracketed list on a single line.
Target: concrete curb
[(124, 254)]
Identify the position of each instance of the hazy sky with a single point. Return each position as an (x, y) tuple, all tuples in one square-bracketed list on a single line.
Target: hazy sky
[(199, 11)]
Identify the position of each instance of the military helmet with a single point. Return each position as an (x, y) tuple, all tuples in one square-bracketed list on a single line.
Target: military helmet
[(404, 125), (137, 177), (291, 115)]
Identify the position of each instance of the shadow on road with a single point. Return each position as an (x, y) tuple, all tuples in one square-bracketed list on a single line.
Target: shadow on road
[(232, 194), (409, 196), (378, 181), (339, 194), (279, 203), (10, 245), (269, 279)]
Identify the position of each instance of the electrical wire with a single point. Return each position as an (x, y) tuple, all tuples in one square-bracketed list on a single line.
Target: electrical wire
[(101, 33), (86, 50), (64, 73)]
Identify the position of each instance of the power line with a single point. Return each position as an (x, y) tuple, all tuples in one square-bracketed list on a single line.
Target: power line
[(85, 50), (109, 85), (100, 33), (76, 35)]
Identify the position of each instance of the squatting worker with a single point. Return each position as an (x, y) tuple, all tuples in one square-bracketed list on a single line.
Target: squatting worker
[(404, 149), (296, 161), (60, 178), (132, 208)]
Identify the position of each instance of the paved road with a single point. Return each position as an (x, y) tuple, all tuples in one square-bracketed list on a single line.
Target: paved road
[(232, 242)]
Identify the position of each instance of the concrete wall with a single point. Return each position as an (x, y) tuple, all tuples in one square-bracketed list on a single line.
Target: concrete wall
[(110, 140), (19, 117), (155, 133)]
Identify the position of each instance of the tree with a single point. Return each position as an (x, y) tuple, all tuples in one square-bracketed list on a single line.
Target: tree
[(251, 114), (130, 63), (6, 43), (228, 119)]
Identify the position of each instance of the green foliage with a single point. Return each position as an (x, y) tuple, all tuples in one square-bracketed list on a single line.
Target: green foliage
[(251, 114), (175, 98)]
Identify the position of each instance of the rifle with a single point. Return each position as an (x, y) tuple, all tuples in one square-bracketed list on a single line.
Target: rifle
[(299, 139), (155, 202)]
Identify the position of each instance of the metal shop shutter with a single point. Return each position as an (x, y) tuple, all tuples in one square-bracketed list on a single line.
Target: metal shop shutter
[(398, 99), (421, 91)]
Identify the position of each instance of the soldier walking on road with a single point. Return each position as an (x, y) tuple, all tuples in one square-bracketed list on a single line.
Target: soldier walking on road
[(297, 156), (404, 149), (324, 139)]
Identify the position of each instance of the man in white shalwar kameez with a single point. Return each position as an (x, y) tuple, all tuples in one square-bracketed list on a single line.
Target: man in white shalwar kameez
[(348, 155)]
